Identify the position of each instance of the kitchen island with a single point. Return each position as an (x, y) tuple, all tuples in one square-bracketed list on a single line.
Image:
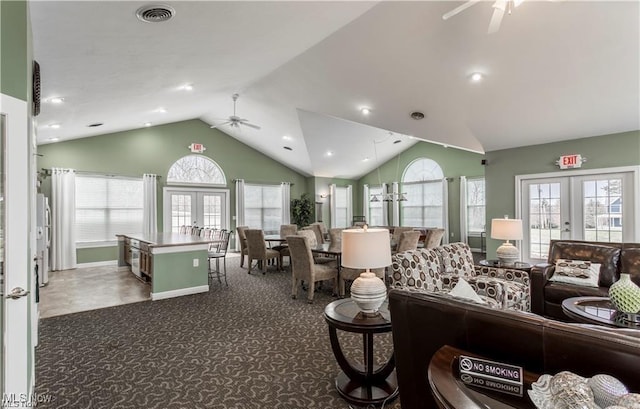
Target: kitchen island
[(173, 264)]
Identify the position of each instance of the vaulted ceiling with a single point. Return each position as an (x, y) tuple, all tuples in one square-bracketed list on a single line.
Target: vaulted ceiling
[(555, 70)]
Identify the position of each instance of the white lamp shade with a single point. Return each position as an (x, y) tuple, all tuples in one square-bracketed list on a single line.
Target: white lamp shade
[(506, 229), (366, 248)]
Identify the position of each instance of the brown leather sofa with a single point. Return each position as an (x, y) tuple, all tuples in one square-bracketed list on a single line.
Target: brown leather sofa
[(547, 296), (422, 323)]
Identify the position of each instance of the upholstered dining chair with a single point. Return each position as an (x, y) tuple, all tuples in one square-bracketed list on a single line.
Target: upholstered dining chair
[(335, 234), (433, 237), (257, 250), (395, 237), (244, 251), (312, 237), (285, 230), (305, 268), (317, 230), (408, 241)]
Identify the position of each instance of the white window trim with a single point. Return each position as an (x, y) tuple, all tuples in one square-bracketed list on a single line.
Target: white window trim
[(634, 170)]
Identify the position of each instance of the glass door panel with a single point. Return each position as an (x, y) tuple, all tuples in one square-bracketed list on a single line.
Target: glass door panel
[(181, 214)]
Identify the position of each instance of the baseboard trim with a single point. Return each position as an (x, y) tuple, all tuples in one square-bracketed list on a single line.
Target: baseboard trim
[(177, 293), (98, 264)]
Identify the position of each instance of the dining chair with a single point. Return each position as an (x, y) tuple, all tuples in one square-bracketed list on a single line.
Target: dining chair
[(219, 252), (283, 248), (408, 241), (433, 237), (312, 238), (303, 267), (257, 250), (335, 234), (242, 239)]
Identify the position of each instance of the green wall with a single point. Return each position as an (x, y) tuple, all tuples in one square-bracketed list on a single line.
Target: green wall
[(454, 163), (154, 150), (14, 42), (503, 166)]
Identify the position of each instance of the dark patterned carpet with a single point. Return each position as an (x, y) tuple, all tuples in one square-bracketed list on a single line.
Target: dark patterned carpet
[(246, 346)]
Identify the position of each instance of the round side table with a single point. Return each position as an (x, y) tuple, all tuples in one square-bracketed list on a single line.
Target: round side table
[(361, 384)]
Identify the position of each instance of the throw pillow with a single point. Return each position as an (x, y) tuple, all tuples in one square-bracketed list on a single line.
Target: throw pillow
[(464, 290), (576, 272)]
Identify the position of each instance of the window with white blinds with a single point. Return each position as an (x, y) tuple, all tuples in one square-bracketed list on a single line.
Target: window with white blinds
[(106, 206), (263, 207), (342, 207)]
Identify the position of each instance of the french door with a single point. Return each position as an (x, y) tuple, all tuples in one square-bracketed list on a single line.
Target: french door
[(582, 206), (201, 207)]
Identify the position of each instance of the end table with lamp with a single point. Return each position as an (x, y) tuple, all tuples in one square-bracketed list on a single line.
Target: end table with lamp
[(507, 229), (365, 313)]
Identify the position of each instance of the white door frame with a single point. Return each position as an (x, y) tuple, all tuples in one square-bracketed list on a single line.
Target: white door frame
[(166, 203), (19, 358), (634, 170)]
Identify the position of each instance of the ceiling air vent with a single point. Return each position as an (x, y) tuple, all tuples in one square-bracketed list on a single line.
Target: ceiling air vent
[(154, 13)]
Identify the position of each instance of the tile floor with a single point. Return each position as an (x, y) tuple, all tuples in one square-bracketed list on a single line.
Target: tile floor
[(90, 288)]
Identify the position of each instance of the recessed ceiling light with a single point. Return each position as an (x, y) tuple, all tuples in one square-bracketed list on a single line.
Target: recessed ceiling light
[(54, 126), (287, 138), (365, 110), (56, 100), (365, 159), (187, 87), (54, 139), (287, 148), (476, 76), (147, 124), (161, 110), (329, 153)]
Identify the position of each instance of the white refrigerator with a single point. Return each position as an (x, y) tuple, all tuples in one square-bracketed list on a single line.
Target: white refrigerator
[(43, 237)]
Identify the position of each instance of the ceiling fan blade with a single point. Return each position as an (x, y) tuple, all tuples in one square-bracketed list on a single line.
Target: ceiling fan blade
[(220, 124), (496, 18), (250, 125), (459, 9)]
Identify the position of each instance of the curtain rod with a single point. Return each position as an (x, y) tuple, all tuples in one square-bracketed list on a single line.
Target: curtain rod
[(47, 172), (262, 183)]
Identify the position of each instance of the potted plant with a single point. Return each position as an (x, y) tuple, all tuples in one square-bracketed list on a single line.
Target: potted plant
[(302, 210)]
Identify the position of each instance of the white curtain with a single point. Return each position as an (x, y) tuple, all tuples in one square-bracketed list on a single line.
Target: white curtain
[(463, 210), (445, 210), (63, 209), (239, 207), (332, 204), (286, 202), (395, 203), (349, 205), (150, 204), (365, 203)]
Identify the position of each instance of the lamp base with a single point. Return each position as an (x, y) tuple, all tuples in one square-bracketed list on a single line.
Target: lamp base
[(508, 254), (368, 292)]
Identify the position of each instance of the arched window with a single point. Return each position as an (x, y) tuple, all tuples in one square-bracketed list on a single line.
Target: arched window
[(196, 169), (423, 186)]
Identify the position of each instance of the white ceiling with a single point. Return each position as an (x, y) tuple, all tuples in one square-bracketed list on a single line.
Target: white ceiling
[(555, 70)]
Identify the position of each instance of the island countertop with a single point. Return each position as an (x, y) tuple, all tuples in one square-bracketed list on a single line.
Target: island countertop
[(166, 239)]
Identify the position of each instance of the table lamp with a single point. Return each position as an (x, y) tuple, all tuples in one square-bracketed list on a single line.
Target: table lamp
[(366, 249), (507, 229)]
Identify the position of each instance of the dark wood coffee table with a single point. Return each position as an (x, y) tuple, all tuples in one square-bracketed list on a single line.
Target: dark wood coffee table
[(361, 384), (596, 310)]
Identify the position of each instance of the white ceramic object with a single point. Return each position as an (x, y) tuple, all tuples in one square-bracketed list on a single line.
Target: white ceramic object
[(368, 292), (629, 401), (606, 389)]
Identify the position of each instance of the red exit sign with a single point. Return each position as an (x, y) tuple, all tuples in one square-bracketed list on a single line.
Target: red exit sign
[(570, 161)]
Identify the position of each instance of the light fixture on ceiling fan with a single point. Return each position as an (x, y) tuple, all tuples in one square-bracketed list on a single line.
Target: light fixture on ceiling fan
[(499, 6), (234, 120)]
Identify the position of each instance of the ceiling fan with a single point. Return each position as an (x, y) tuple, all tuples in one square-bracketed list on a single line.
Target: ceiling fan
[(500, 7), (234, 120)]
